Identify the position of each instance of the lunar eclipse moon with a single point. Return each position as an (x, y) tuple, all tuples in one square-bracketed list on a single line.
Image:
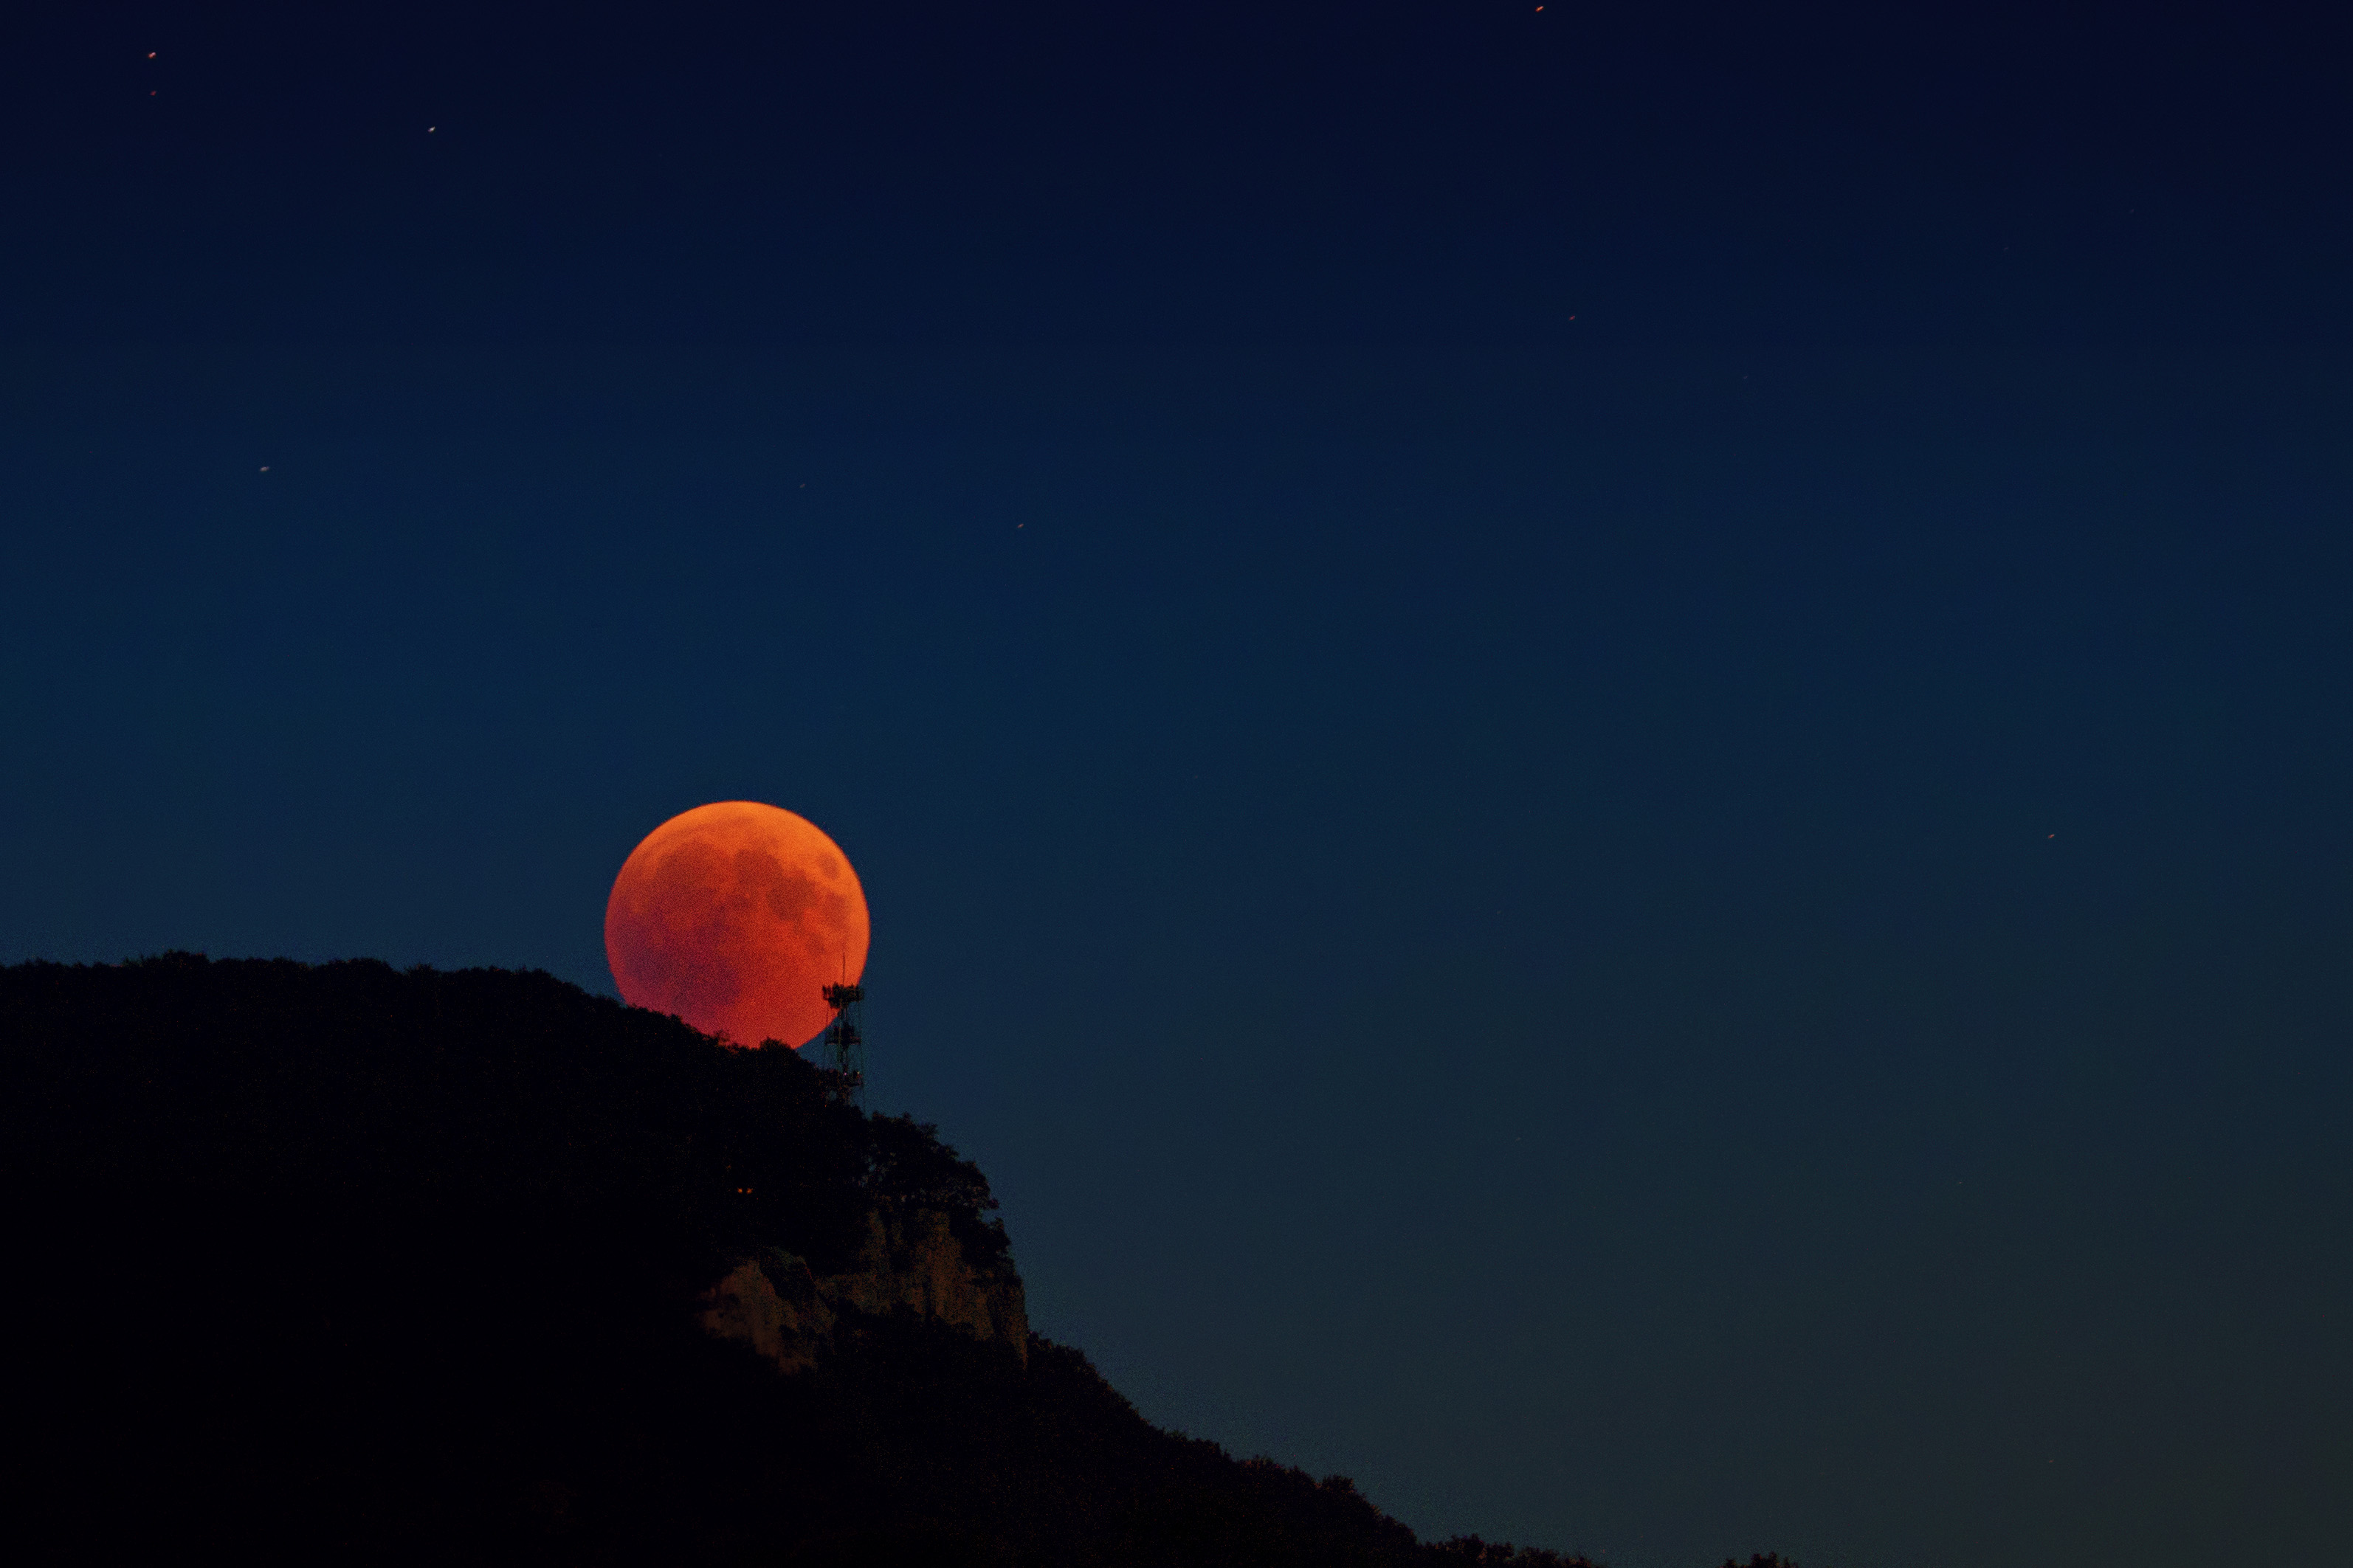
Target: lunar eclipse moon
[(733, 916)]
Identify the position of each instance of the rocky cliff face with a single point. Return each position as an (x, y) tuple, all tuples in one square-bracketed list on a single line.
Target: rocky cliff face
[(775, 1304)]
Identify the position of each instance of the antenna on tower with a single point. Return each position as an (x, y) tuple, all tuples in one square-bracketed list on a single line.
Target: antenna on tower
[(845, 1037)]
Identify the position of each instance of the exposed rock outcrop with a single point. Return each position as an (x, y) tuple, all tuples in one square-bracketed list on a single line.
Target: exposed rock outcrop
[(787, 1312)]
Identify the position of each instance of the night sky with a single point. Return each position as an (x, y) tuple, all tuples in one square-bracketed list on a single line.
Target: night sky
[(1605, 761)]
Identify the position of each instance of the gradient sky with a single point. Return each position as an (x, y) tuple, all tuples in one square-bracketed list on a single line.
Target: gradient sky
[(1605, 762)]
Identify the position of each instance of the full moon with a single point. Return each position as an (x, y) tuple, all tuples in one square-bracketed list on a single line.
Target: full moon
[(734, 916)]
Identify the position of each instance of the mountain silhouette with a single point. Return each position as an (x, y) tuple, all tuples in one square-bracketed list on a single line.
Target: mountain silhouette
[(354, 1264)]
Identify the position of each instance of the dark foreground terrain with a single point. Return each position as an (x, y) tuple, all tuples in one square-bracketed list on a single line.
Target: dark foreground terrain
[(352, 1264)]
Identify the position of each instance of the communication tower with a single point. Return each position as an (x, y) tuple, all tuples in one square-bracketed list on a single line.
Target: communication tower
[(845, 1037)]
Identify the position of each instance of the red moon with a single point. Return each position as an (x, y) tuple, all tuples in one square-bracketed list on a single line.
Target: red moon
[(734, 916)]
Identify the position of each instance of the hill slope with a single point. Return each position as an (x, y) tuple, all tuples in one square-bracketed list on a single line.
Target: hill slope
[(358, 1264)]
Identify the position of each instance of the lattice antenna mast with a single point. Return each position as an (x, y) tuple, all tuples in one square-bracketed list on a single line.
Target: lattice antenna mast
[(845, 1037)]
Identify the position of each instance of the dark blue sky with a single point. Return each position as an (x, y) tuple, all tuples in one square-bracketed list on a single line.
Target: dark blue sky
[(1604, 764)]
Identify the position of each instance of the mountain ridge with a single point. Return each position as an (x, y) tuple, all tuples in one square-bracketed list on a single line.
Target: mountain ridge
[(338, 1259)]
